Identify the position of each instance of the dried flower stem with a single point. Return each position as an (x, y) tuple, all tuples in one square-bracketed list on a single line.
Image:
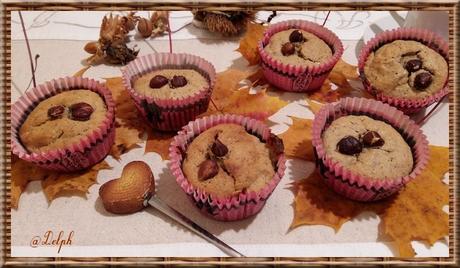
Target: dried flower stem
[(215, 106), (28, 49), (423, 119), (169, 35), (327, 16), (35, 69)]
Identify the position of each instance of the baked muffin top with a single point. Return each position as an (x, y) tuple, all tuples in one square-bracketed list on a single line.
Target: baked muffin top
[(406, 68), (62, 119), (171, 83), (298, 47), (226, 159), (369, 147)]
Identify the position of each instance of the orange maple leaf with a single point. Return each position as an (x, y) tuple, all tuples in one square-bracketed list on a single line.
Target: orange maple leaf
[(248, 43), (297, 139), (316, 204), (229, 96), (259, 105), (415, 213), (126, 112), (314, 106), (54, 183), (159, 143), (58, 184), (336, 86), (22, 173), (129, 123)]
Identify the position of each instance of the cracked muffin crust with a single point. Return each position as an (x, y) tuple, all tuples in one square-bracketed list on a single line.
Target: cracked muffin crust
[(406, 68), (171, 83), (62, 119), (298, 47), (226, 159), (369, 147)]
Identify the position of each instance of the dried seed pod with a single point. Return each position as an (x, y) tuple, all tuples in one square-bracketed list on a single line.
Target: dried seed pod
[(91, 47), (159, 21), (130, 21), (145, 27)]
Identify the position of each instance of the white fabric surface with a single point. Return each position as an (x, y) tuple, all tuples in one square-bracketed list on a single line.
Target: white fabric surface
[(150, 234)]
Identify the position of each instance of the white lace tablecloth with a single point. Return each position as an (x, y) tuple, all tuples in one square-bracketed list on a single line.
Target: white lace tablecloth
[(59, 37)]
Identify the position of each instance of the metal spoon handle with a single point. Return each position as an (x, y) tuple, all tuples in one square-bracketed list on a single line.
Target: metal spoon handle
[(186, 222)]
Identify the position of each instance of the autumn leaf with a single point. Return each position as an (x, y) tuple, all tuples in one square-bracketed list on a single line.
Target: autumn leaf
[(248, 43), (226, 85), (57, 184), (129, 123), (345, 69), (336, 85), (125, 140), (325, 94), (22, 173), (415, 213), (316, 204), (126, 112), (259, 105), (297, 139), (229, 96), (314, 106), (81, 72), (159, 143), (54, 183)]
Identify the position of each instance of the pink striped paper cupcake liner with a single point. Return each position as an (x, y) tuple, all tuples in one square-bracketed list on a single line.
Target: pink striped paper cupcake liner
[(353, 185), (236, 207), (169, 114), (428, 38), (77, 156), (298, 78)]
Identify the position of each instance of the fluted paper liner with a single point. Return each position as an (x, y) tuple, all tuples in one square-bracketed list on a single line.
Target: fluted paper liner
[(230, 208), (169, 114), (299, 78), (428, 38), (77, 156), (349, 183)]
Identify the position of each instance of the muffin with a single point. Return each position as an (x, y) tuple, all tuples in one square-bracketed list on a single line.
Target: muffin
[(169, 89), (66, 124), (226, 160), (298, 55), (227, 164), (406, 68), (62, 119), (369, 147), (170, 83), (298, 47), (367, 150)]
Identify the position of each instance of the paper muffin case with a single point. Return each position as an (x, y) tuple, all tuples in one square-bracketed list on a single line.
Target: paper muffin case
[(77, 156), (428, 38), (298, 78), (169, 114), (232, 208), (345, 181)]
